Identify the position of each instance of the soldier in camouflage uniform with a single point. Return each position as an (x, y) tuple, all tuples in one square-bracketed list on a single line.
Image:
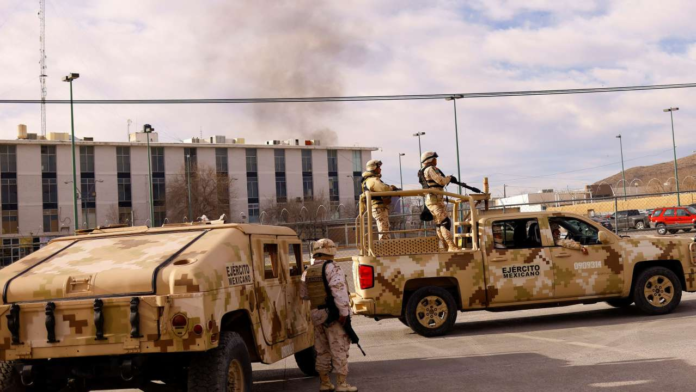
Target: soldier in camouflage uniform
[(566, 243), (436, 203), (372, 181), (331, 341)]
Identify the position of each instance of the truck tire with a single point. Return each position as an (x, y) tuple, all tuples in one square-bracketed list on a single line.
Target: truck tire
[(686, 230), (640, 225), (657, 291), (661, 229), (225, 368), (620, 302), (9, 378), (306, 361), (673, 231), (431, 311)]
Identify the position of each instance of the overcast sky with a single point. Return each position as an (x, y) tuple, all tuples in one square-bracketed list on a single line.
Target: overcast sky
[(222, 49)]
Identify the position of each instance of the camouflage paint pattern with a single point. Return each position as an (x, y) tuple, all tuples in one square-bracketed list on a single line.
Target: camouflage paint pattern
[(381, 217), (217, 274), (522, 276)]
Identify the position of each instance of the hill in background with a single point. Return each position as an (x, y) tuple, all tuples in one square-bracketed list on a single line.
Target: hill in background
[(652, 179)]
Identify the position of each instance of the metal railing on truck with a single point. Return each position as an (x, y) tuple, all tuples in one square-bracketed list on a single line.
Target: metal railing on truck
[(464, 218)]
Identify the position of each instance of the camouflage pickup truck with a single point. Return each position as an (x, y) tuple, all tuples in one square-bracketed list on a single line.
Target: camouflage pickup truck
[(191, 306), (521, 267)]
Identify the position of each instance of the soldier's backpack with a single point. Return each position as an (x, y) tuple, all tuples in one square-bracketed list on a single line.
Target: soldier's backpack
[(421, 178), (425, 215)]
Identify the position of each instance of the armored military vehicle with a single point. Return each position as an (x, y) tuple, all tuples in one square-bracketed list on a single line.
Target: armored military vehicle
[(191, 306), (511, 261)]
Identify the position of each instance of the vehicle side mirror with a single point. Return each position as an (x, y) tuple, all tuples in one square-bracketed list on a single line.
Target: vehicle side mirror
[(604, 238)]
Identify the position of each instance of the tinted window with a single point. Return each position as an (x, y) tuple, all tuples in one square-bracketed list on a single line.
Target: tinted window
[(657, 213), (692, 210), (517, 234), (295, 259), (682, 212), (669, 212), (577, 230), (270, 261)]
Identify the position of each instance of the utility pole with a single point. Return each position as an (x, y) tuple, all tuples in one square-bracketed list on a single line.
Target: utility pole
[(674, 146), (42, 65), (420, 153), (400, 172), (456, 135), (70, 79), (148, 129), (623, 173), (188, 185)]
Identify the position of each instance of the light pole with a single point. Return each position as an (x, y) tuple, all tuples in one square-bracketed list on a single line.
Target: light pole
[(419, 134), (70, 79), (623, 173), (401, 174), (454, 99), (674, 146), (188, 185), (148, 129)]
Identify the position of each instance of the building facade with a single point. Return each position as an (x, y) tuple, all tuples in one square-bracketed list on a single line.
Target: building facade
[(37, 192)]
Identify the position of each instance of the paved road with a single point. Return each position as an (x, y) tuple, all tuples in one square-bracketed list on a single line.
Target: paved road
[(576, 348)]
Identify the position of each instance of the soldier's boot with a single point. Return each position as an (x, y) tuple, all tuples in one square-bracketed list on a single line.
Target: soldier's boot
[(440, 240), (343, 385), (326, 385), (451, 247)]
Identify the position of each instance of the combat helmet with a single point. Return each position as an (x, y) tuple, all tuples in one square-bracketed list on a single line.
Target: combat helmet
[(373, 165), (323, 247), (428, 156)]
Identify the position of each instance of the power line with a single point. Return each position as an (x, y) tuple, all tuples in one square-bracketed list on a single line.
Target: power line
[(362, 98)]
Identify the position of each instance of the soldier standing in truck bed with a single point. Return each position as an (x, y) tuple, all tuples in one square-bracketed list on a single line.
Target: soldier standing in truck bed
[(432, 178), (372, 181)]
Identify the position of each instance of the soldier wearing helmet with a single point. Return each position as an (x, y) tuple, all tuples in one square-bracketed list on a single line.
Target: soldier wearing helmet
[(433, 178), (330, 339), (372, 181), (566, 243)]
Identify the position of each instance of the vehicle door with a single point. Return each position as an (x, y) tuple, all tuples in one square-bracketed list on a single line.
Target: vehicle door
[(683, 217), (622, 220), (270, 284), (668, 216), (297, 318), (598, 273), (519, 266)]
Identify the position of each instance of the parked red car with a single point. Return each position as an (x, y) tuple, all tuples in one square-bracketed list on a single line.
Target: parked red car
[(681, 218)]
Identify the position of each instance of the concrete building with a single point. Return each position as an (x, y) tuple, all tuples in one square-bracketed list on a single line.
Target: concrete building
[(37, 191)]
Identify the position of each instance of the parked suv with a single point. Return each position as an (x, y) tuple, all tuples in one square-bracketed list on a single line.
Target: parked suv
[(630, 219), (677, 218)]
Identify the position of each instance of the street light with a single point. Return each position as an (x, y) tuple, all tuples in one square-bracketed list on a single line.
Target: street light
[(454, 99), (674, 146), (70, 79), (148, 129), (400, 172), (420, 153), (623, 173)]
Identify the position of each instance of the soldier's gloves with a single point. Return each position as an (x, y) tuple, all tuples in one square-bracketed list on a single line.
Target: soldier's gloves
[(394, 188), (453, 179), (584, 250)]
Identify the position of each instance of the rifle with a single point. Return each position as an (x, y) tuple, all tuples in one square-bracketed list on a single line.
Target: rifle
[(463, 185), (334, 314)]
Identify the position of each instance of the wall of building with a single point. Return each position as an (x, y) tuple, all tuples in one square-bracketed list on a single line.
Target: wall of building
[(29, 193)]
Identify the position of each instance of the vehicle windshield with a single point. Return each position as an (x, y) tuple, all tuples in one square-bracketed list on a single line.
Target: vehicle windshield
[(692, 210)]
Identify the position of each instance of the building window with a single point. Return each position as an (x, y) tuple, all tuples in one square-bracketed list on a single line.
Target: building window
[(50, 190), (251, 166), (252, 187), (86, 159), (8, 159), (279, 161), (357, 187), (157, 159), (221, 160), (307, 161), (50, 220), (160, 213), (9, 191), (190, 159), (48, 159), (123, 159), (333, 161), (253, 212), (281, 190), (307, 187), (158, 191), (333, 188), (124, 216), (88, 192), (357, 161), (89, 217), (9, 222), (124, 189)]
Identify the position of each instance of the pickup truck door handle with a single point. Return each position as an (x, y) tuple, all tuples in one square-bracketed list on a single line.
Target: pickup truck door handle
[(499, 259), (563, 255)]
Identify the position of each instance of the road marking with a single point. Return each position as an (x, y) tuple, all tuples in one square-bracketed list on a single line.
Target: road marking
[(580, 344), (617, 384), (282, 380)]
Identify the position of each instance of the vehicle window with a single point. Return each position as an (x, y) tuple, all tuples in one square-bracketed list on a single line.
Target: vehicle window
[(657, 213), (682, 212), (270, 261), (633, 213), (295, 259), (668, 212), (576, 230), (516, 234), (692, 210)]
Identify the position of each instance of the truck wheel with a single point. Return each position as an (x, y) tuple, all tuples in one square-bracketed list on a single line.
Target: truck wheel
[(661, 229), (431, 311), (673, 231), (306, 360), (640, 225), (225, 368), (657, 291), (9, 378), (686, 230), (620, 302)]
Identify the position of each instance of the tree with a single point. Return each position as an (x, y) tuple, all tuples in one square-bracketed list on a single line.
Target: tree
[(210, 194)]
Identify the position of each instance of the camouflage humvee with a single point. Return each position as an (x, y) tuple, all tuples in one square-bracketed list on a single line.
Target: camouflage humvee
[(191, 306), (521, 268)]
